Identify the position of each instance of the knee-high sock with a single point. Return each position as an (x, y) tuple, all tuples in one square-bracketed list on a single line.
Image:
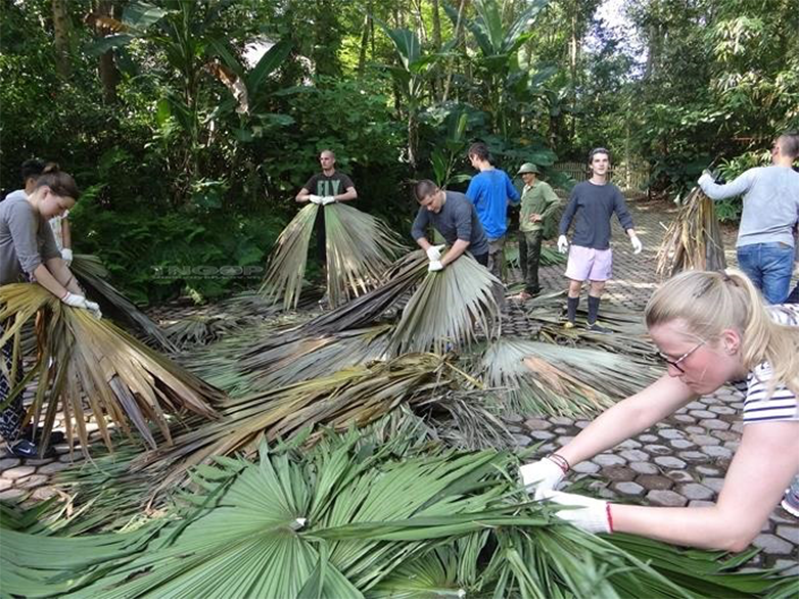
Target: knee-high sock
[(594, 306), (572, 307)]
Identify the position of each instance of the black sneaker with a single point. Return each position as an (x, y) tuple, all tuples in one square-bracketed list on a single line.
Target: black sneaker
[(56, 437), (29, 451), (596, 328)]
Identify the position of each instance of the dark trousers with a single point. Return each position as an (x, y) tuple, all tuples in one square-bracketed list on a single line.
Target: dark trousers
[(11, 415), (482, 259), (530, 248)]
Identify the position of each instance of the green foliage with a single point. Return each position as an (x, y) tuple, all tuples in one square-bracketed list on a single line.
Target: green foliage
[(152, 257)]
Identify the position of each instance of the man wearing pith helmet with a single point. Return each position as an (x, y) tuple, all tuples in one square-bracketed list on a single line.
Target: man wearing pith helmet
[(539, 201)]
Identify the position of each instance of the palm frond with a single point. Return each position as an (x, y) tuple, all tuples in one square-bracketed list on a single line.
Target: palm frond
[(287, 266), (122, 380), (693, 240), (546, 309), (542, 378), (350, 519), (359, 248), (448, 308), (92, 274)]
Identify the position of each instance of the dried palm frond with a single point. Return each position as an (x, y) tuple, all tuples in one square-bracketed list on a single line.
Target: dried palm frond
[(398, 283), (449, 308), (352, 520), (287, 266), (359, 247), (277, 363), (92, 274), (200, 329), (351, 397), (81, 358), (547, 309), (693, 240), (544, 379)]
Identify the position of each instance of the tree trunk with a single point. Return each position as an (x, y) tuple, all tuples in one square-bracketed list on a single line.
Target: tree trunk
[(457, 33), (107, 68), (573, 67), (362, 53), (437, 27), (61, 31)]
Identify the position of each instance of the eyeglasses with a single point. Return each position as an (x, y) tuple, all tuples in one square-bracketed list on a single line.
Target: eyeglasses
[(677, 363)]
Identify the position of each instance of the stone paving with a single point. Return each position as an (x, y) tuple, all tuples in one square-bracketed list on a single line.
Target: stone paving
[(678, 462)]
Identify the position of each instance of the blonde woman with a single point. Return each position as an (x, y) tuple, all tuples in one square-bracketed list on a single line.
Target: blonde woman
[(711, 328)]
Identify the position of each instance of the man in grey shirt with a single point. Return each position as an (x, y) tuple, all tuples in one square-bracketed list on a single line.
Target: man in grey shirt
[(765, 247), (454, 216)]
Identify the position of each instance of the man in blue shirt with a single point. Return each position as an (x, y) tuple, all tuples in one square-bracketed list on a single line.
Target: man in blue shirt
[(491, 191)]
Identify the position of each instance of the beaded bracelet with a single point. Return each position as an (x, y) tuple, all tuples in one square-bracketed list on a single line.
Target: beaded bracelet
[(560, 461)]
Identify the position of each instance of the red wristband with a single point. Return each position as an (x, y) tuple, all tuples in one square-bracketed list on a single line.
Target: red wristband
[(610, 519)]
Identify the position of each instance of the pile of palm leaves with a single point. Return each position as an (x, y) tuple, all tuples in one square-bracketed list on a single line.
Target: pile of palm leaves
[(693, 240), (353, 520), (359, 248), (80, 358), (538, 378), (547, 311), (353, 397), (449, 308), (92, 276)]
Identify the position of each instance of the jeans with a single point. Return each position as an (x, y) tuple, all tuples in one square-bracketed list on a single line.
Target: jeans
[(769, 266), (530, 248)]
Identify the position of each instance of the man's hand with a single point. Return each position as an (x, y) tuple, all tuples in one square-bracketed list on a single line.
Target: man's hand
[(75, 301), (435, 252), (636, 244), (66, 256), (315, 199), (541, 477), (563, 244), (591, 515), (328, 200), (435, 266), (535, 217)]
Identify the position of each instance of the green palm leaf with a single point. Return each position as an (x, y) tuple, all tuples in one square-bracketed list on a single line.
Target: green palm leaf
[(447, 309)]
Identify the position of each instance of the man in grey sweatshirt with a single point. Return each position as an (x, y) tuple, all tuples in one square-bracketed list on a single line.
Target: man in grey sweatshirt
[(765, 247)]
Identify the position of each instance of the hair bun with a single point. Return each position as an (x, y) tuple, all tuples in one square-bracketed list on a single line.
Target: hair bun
[(51, 167)]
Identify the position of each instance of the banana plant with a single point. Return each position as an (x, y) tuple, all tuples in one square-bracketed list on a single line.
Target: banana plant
[(498, 43), (410, 77), (444, 159)]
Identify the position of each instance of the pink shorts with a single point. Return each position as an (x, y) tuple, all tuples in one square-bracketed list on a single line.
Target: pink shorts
[(587, 263)]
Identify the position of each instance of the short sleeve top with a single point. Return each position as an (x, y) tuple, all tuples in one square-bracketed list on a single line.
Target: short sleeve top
[(781, 405)]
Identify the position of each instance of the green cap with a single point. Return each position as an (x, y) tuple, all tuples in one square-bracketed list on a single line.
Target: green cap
[(528, 167)]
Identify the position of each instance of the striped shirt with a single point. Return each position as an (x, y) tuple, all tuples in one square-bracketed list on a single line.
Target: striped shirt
[(782, 404)]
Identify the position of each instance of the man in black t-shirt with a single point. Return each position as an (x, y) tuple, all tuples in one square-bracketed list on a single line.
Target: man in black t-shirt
[(324, 188)]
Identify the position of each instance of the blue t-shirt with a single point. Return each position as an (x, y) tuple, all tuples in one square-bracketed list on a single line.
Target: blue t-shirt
[(490, 191)]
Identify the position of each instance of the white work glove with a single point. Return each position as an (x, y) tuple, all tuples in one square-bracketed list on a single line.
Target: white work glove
[(705, 180), (591, 515), (563, 244), (78, 301), (66, 256), (540, 477), (637, 245), (328, 200), (315, 199), (435, 266), (94, 308), (435, 252)]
